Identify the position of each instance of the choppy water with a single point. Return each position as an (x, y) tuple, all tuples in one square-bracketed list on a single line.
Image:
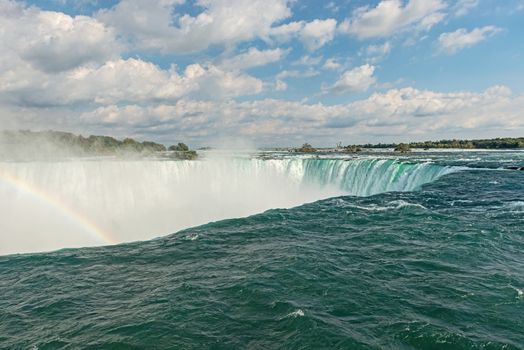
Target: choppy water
[(438, 266)]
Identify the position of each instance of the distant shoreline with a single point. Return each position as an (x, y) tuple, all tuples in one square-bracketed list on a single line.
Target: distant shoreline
[(479, 144), (495, 143)]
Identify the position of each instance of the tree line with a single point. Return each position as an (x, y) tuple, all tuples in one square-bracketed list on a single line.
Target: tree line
[(69, 143), (497, 143)]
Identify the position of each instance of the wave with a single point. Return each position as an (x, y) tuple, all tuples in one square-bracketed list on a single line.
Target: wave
[(514, 207), (96, 202), (393, 205)]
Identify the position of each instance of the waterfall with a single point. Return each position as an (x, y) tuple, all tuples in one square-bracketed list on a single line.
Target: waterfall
[(50, 205)]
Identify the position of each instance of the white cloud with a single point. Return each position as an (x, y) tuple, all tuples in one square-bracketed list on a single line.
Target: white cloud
[(253, 58), (378, 50), (332, 64), (297, 74), (286, 32), (151, 24), (463, 7), (398, 112), (317, 33), (392, 16), (50, 59), (424, 112), (53, 41), (375, 53), (332, 6), (121, 81), (204, 120), (356, 80), (280, 85), (307, 60), (453, 42), (60, 71), (313, 35)]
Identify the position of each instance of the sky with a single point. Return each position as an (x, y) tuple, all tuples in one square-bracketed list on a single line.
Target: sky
[(265, 72)]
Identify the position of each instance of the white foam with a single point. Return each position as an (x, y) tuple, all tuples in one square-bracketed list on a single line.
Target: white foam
[(515, 207), (297, 313), (193, 237), (393, 205), (143, 199), (399, 204), (520, 292)]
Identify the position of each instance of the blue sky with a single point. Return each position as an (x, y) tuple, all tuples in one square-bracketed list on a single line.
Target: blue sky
[(267, 72)]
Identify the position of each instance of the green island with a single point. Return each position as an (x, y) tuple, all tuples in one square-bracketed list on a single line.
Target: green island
[(496, 143), (306, 148), (31, 144)]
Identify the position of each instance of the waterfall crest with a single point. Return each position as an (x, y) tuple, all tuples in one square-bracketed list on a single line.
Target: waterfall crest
[(52, 205)]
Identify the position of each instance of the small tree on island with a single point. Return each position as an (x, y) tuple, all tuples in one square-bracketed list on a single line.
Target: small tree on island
[(182, 151), (306, 148), (352, 149), (402, 148), (180, 147)]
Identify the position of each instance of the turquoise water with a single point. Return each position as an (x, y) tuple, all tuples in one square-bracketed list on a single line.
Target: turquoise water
[(438, 264)]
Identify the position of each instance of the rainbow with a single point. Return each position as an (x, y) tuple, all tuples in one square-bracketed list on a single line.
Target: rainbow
[(99, 234)]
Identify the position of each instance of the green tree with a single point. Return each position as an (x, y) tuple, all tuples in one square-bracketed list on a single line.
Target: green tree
[(306, 148), (402, 148), (180, 147)]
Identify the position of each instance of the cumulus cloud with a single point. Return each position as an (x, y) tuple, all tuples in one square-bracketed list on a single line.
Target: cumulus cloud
[(307, 60), (332, 64), (392, 16), (203, 120), (396, 114), (53, 41), (287, 31), (313, 35), (400, 112), (253, 58), (67, 72), (52, 59), (358, 79), (121, 81), (151, 24), (450, 43), (280, 85), (421, 112), (378, 50), (317, 33), (308, 73), (410, 111)]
